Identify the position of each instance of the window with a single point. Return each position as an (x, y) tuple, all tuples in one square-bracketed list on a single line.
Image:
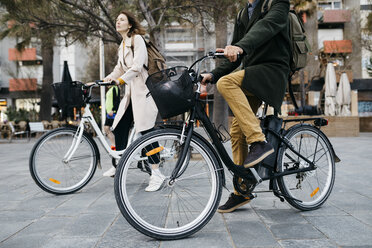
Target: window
[(329, 4)]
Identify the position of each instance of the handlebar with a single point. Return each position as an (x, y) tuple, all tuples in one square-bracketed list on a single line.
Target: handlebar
[(102, 83), (87, 88), (210, 55)]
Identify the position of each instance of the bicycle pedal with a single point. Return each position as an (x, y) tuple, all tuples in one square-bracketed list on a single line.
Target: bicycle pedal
[(251, 196)]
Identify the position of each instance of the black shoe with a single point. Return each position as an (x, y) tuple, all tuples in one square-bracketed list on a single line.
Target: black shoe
[(257, 152), (233, 203)]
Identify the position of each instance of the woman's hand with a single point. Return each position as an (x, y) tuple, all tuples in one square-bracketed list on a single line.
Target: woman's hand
[(108, 79)]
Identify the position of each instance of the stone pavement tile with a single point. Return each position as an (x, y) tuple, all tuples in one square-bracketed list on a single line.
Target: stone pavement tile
[(9, 205), (268, 201), (295, 231), (251, 234), (121, 234), (244, 213), (200, 239), (308, 243), (105, 204), (67, 242), (281, 216), (11, 195), (359, 246), (10, 228), (89, 225), (352, 202), (21, 215), (47, 225), (44, 201), (99, 184), (364, 216), (216, 224), (344, 231), (26, 241), (327, 209), (77, 204)]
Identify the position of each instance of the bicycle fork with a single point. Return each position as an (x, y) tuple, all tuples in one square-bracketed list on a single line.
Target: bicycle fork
[(75, 143)]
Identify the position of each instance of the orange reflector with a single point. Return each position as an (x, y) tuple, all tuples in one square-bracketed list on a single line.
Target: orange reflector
[(314, 192), (54, 181), (154, 151)]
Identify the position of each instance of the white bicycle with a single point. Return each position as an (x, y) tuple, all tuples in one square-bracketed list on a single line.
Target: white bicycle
[(64, 160)]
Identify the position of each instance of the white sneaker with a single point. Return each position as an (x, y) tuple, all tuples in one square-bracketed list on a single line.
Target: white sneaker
[(110, 172), (156, 180)]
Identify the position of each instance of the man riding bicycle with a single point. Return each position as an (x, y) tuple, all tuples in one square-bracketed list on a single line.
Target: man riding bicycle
[(261, 43)]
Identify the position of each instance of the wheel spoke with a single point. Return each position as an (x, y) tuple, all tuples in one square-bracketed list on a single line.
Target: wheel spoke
[(54, 176), (311, 187), (179, 207)]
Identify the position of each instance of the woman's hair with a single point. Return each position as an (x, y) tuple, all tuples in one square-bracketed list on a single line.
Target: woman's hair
[(136, 26)]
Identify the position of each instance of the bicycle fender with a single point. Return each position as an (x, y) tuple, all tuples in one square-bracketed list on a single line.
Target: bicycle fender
[(335, 157), (220, 165)]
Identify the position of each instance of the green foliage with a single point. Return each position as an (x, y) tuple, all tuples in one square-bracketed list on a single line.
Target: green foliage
[(21, 115), (304, 6), (369, 23), (369, 67)]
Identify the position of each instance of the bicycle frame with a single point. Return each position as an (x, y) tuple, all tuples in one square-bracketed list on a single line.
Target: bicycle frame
[(198, 113), (88, 118)]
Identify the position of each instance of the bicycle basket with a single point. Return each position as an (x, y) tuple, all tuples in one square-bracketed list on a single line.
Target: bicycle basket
[(172, 90), (69, 94)]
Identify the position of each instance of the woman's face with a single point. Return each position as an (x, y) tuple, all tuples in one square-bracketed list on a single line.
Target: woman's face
[(122, 24)]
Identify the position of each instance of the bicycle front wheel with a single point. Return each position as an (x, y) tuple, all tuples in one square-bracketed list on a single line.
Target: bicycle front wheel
[(307, 190), (48, 165), (177, 209)]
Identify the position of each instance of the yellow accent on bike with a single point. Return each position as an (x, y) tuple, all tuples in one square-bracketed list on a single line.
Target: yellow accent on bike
[(54, 181), (154, 151), (314, 192)]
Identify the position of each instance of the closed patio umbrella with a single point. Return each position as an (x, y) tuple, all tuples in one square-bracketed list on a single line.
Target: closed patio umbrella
[(343, 96), (66, 76), (330, 91)]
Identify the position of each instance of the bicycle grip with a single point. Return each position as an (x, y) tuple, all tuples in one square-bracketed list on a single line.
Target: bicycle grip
[(222, 55)]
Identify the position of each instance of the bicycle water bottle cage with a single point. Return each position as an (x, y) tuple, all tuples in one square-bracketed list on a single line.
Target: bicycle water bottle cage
[(222, 133)]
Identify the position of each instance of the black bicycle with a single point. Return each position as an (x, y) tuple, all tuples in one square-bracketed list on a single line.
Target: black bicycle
[(301, 171)]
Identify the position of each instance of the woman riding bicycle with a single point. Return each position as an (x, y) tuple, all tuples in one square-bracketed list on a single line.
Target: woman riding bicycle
[(137, 105)]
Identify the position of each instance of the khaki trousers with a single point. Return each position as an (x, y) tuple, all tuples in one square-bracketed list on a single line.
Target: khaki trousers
[(245, 127)]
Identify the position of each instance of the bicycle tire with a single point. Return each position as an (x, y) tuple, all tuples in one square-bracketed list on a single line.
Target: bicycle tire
[(200, 188), (53, 175), (307, 190)]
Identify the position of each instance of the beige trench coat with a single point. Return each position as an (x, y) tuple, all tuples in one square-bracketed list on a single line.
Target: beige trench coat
[(130, 68)]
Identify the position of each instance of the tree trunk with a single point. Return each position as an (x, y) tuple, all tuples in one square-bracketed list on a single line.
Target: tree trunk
[(352, 31), (46, 88), (220, 107), (156, 38), (311, 28), (154, 29)]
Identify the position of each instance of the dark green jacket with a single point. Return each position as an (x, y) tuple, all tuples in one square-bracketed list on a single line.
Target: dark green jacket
[(265, 41)]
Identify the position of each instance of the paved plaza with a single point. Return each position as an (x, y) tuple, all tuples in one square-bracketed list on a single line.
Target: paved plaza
[(30, 217)]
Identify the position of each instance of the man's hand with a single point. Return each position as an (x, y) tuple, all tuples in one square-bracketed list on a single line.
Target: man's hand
[(230, 52), (207, 78)]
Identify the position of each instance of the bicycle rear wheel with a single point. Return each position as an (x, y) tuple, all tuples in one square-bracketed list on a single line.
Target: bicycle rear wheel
[(176, 210), (48, 168), (307, 190)]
